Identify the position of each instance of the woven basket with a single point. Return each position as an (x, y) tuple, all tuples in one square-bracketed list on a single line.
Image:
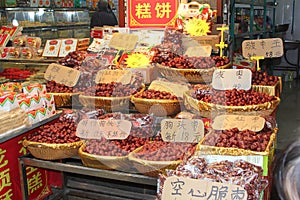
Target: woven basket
[(66, 99), (213, 150), (158, 107), (227, 66), (47, 151), (210, 110), (187, 75), (151, 168), (109, 104), (270, 90), (104, 162)]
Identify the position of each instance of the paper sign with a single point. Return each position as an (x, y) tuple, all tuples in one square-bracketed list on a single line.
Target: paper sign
[(182, 130), (182, 188), (174, 88), (51, 48), (123, 41), (108, 76), (227, 79), (67, 45), (242, 122), (269, 48), (61, 74), (199, 51), (109, 129)]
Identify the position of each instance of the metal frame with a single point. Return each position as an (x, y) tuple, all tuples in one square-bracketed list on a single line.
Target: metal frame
[(76, 168)]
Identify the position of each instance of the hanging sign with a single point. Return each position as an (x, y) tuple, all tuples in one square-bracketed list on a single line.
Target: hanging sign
[(268, 48), (227, 79), (155, 14)]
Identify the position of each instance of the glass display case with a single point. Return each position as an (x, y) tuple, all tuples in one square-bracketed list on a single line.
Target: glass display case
[(49, 23)]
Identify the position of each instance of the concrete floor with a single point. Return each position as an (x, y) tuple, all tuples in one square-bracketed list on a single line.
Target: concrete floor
[(288, 114)]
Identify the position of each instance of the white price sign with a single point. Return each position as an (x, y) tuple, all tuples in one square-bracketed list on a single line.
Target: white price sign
[(228, 79)]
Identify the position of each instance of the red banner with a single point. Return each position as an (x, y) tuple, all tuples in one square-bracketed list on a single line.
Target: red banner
[(154, 14), (10, 184)]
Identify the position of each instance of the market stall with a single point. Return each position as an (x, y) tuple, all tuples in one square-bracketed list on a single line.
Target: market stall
[(140, 113)]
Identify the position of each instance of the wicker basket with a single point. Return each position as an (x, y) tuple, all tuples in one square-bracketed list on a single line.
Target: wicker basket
[(210, 110), (120, 163), (158, 107), (270, 90), (66, 99), (151, 168), (47, 151), (187, 75), (213, 150), (109, 104), (227, 66)]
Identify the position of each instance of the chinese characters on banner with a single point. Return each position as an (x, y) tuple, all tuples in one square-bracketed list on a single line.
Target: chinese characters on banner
[(10, 183), (157, 14)]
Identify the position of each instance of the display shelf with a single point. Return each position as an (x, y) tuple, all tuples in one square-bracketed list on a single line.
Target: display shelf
[(47, 22), (9, 135), (74, 166)]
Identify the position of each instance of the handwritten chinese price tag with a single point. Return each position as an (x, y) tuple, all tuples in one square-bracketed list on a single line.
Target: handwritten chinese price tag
[(199, 51), (181, 188), (108, 76), (242, 122), (123, 41), (177, 89), (88, 128), (109, 129), (268, 48), (182, 130), (61, 74), (227, 79)]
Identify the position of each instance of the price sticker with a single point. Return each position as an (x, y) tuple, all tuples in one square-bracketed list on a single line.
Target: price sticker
[(123, 41), (62, 74), (182, 188), (177, 89), (268, 48), (182, 130), (242, 122), (199, 51), (109, 129), (228, 79), (108, 76)]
